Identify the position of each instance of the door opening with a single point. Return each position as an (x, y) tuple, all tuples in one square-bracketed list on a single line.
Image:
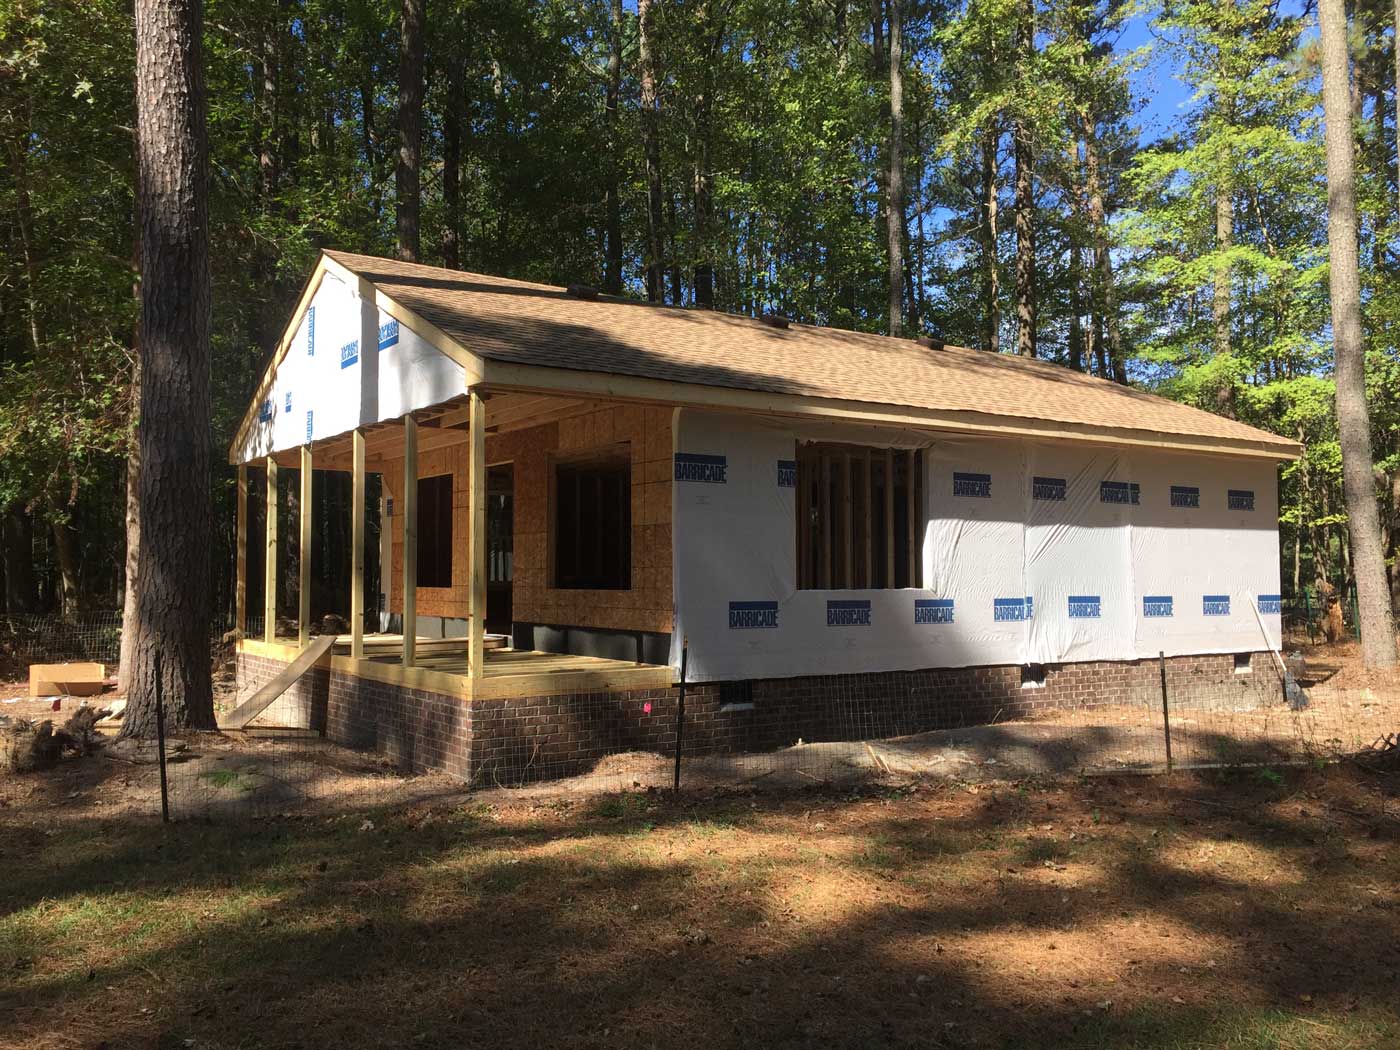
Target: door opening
[(500, 547)]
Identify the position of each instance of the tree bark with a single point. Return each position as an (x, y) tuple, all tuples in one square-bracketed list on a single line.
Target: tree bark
[(651, 150), (1220, 306), (894, 172), (612, 203), (703, 186), (1107, 334), (1025, 195), (991, 291), (407, 182), (173, 602), (17, 539), (1353, 417), (454, 118)]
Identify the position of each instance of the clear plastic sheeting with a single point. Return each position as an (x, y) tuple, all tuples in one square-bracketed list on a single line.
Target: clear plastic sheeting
[(349, 365), (1032, 553)]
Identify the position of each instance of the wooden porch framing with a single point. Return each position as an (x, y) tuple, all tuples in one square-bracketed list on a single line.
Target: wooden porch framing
[(461, 667)]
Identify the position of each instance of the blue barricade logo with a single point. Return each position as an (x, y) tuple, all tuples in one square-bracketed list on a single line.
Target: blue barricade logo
[(787, 473), (978, 485), (388, 333), (308, 426), (746, 615), (1215, 604), (1271, 603), (1004, 609), (848, 613), (288, 406), (1186, 496), (1084, 607), (311, 331), (1156, 606), (693, 467), (1240, 499), (1048, 488), (1125, 492), (265, 413), (933, 610), (350, 353)]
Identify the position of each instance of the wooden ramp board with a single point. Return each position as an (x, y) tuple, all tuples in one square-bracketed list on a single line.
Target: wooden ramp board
[(263, 698)]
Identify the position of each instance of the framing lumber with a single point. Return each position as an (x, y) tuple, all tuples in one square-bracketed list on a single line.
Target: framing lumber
[(889, 517), (357, 549), (270, 562), (868, 488), (476, 607), (825, 580), (848, 521), (308, 475), (240, 590), (410, 540), (260, 701), (911, 485)]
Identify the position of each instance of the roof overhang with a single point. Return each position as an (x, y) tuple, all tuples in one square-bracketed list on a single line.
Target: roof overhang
[(503, 375)]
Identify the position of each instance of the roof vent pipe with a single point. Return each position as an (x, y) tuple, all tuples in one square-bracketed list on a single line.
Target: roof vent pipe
[(932, 342), (774, 320), (582, 291)]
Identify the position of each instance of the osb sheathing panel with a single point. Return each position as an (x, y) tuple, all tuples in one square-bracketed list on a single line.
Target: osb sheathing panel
[(647, 606)]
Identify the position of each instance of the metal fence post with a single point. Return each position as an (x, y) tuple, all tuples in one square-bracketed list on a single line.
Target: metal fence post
[(680, 712), (1166, 714), (160, 744)]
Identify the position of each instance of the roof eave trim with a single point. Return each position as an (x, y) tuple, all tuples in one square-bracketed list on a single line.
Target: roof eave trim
[(549, 380)]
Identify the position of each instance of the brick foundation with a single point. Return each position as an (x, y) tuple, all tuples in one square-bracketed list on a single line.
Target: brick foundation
[(555, 736)]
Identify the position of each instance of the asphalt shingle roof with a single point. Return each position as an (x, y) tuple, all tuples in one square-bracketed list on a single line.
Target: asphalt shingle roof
[(535, 324)]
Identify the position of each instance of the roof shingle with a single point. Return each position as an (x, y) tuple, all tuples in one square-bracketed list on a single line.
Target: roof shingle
[(535, 324)]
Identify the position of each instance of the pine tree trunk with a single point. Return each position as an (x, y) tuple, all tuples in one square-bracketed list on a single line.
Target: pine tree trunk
[(991, 291), (132, 566), (1107, 335), (17, 541), (407, 183), (1353, 417), (894, 172), (651, 150), (454, 118), (1220, 307), (612, 204), (65, 553), (1025, 196), (173, 603), (703, 185)]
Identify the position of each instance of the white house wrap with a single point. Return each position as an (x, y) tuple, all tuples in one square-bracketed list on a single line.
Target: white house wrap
[(1033, 552)]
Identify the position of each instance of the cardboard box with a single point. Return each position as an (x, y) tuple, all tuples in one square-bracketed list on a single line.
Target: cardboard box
[(66, 679)]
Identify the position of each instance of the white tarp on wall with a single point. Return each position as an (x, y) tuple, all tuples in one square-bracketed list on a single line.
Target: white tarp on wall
[(349, 365), (1066, 553)]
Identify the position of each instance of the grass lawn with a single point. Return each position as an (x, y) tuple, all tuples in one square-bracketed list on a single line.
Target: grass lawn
[(1251, 910)]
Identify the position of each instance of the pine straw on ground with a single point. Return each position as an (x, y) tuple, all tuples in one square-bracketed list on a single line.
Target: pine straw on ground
[(1258, 910)]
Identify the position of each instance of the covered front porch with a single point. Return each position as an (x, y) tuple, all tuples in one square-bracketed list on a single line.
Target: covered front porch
[(451, 652)]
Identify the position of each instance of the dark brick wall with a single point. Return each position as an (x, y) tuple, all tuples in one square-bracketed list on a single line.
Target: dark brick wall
[(537, 738)]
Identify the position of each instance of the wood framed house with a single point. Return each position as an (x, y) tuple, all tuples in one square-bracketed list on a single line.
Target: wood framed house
[(573, 484)]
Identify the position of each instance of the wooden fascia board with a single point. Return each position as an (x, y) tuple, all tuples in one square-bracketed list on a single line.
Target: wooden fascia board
[(501, 375)]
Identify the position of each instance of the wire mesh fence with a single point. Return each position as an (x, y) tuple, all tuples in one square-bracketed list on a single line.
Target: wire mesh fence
[(961, 725), (966, 724)]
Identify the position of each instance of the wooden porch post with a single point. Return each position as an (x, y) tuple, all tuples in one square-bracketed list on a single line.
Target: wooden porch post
[(270, 562), (357, 549), (410, 540), (476, 608), (240, 590), (304, 547)]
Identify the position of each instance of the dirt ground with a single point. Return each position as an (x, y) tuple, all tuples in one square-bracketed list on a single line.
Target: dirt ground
[(1256, 910), (978, 906)]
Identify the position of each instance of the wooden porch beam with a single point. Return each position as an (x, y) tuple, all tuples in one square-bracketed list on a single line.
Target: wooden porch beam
[(304, 558), (270, 562), (240, 593), (357, 549), (476, 607), (410, 541)]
